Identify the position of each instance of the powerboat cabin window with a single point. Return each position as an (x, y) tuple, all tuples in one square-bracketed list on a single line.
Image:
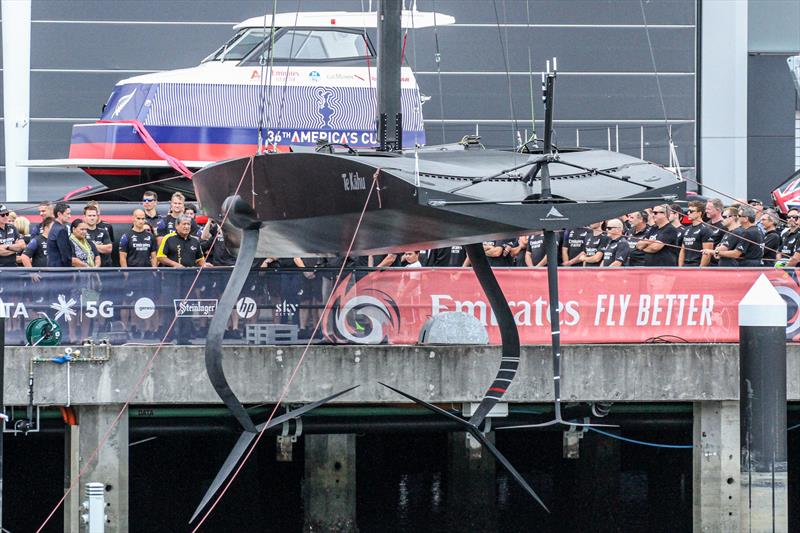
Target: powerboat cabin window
[(307, 44), (240, 45)]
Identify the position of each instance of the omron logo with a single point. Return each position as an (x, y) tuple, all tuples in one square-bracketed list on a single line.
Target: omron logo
[(196, 308)]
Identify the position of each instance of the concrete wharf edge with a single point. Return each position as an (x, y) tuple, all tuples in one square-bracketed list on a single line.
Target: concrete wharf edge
[(622, 372)]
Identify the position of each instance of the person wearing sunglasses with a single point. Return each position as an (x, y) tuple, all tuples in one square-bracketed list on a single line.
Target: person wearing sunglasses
[(662, 241), (696, 238), (789, 238), (750, 245), (10, 241), (150, 208), (616, 250), (726, 253)]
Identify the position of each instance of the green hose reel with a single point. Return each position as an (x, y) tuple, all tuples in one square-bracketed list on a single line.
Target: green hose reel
[(43, 332)]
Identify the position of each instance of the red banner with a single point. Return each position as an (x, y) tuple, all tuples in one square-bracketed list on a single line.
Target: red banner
[(622, 305)]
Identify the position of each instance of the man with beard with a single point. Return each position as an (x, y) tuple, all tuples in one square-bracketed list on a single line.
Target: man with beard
[(772, 240), (696, 238), (573, 246), (675, 216), (789, 239), (638, 232), (616, 250), (661, 244)]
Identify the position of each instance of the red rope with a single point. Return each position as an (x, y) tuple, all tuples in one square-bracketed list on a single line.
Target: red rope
[(151, 143)]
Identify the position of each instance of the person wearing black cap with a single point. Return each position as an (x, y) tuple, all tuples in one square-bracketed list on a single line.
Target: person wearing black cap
[(10, 241)]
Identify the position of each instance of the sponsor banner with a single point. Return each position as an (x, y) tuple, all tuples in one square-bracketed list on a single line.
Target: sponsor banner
[(597, 306), (371, 307)]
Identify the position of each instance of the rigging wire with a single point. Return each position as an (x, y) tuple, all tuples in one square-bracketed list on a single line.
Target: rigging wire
[(285, 80), (514, 125), (437, 58), (530, 74), (673, 152), (641, 442), (145, 371), (300, 361), (263, 61)]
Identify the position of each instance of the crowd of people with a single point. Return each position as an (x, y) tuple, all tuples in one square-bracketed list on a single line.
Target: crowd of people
[(703, 234)]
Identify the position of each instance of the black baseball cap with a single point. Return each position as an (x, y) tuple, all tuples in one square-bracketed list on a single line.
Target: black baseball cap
[(755, 201), (3, 209)]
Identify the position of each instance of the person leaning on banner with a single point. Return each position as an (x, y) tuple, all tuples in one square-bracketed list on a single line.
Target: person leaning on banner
[(181, 249), (662, 241), (137, 247), (84, 251), (10, 241), (616, 249), (59, 249), (772, 240), (696, 238), (35, 253)]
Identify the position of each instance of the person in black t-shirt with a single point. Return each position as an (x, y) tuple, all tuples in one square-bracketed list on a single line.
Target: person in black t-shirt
[(573, 246), (714, 211), (518, 252), (212, 235), (137, 247), (593, 246), (150, 207), (10, 241), (616, 249), (536, 255), (751, 241), (675, 218), (499, 252), (167, 224), (453, 256), (772, 241), (35, 253), (696, 238), (98, 235), (790, 238), (661, 244), (638, 232), (726, 253)]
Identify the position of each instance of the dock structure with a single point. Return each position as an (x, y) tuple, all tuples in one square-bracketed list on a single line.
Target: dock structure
[(707, 375)]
